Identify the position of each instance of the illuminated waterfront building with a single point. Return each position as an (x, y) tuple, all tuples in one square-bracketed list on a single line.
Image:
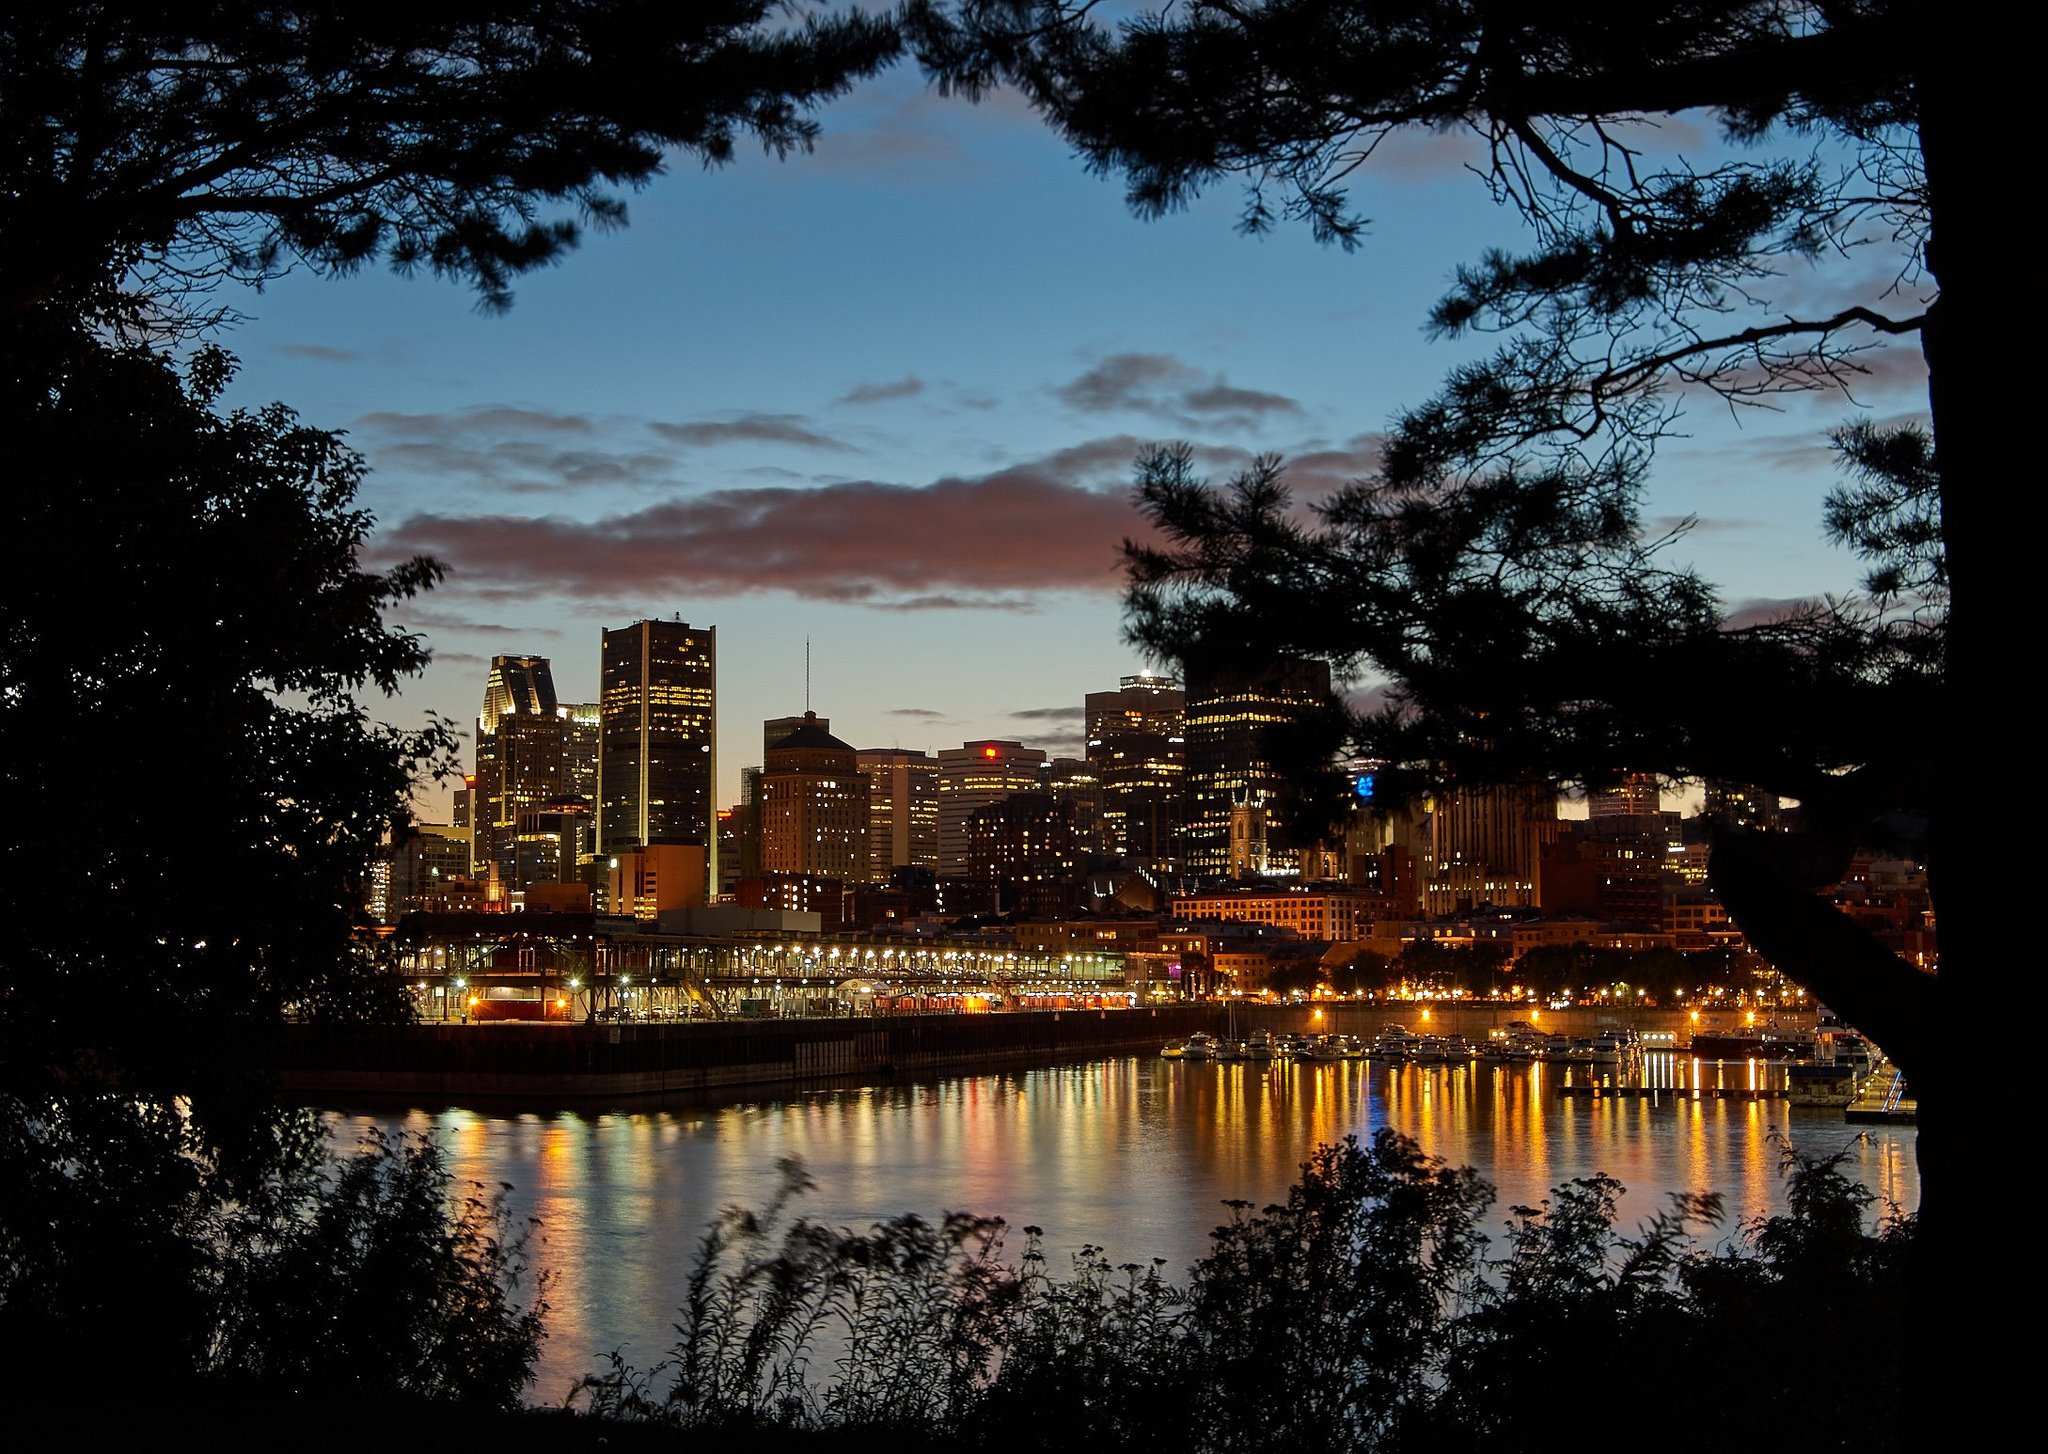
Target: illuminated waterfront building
[(1230, 709), (658, 738), (1324, 913), (971, 777), (647, 882), (1137, 749), (903, 810), (522, 741), (814, 806)]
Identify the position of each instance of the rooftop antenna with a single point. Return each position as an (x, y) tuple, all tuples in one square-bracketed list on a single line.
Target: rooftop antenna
[(807, 676)]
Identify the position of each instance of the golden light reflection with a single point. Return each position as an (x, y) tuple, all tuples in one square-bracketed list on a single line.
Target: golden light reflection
[(1135, 1154)]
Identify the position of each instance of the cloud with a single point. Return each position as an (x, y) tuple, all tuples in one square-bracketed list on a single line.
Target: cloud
[(413, 615), (750, 428), (1762, 611), (902, 388), (1168, 387), (1124, 381), (520, 466), (1314, 473), (490, 419), (923, 714), (319, 353), (1050, 714), (991, 542)]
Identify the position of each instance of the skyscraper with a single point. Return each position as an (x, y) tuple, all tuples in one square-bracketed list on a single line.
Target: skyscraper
[(1637, 795), (814, 806), (903, 810), (1229, 710), (1485, 844), (522, 740), (658, 737), (1136, 747), (971, 777)]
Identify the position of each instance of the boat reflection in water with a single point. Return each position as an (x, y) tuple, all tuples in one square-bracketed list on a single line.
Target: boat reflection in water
[(1136, 1154)]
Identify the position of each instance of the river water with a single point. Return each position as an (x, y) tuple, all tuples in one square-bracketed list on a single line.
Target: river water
[(1135, 1154)]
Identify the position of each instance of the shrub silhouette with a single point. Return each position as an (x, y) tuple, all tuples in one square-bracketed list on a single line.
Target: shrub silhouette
[(1363, 1313)]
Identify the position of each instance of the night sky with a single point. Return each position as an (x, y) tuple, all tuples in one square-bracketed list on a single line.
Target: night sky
[(885, 398)]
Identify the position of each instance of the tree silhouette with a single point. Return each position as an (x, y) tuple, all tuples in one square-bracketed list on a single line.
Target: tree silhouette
[(189, 643), (148, 149), (1495, 568)]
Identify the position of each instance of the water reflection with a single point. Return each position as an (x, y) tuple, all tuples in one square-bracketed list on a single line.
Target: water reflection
[(1136, 1155)]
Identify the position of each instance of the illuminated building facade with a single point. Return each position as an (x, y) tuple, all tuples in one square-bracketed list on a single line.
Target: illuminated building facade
[(658, 738), (1025, 838), (1325, 914), (814, 806), (1635, 796), (971, 777), (522, 741), (1078, 786), (1485, 845), (1229, 710), (1741, 806), (584, 721), (1136, 747), (903, 810)]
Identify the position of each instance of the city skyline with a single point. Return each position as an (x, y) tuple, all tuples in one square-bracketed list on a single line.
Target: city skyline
[(873, 413)]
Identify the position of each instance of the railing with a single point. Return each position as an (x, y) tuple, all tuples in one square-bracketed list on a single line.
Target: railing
[(1896, 1092)]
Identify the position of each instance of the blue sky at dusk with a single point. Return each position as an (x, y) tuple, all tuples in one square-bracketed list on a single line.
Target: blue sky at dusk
[(886, 398)]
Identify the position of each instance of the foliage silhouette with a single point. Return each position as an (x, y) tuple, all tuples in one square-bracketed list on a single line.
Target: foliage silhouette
[(189, 637), (1495, 570), (1362, 1314), (304, 1275), (149, 152)]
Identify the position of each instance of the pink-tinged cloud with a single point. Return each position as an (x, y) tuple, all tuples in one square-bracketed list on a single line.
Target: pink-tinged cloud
[(992, 541), (320, 353), (1162, 385)]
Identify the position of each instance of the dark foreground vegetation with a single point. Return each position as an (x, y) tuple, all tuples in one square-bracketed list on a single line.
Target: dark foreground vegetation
[(185, 605), (1370, 1312)]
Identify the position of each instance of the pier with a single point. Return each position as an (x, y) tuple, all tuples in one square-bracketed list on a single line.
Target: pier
[(545, 1064), (1675, 1092)]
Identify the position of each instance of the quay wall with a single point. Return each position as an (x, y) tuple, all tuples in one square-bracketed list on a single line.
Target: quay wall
[(1474, 1018), (556, 1062), (520, 1060)]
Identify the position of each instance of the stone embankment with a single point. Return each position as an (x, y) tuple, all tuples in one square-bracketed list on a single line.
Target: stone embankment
[(594, 1061), (548, 1063)]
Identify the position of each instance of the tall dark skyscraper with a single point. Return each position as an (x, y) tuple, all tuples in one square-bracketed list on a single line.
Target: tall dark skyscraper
[(1135, 746), (522, 740), (1229, 708), (658, 737)]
